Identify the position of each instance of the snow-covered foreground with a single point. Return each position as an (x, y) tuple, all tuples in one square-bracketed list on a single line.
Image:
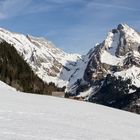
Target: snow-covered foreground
[(36, 117)]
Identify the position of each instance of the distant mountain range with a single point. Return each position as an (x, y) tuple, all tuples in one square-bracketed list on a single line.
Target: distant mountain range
[(108, 74)]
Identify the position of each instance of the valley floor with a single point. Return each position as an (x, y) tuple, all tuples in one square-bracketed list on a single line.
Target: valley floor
[(36, 117)]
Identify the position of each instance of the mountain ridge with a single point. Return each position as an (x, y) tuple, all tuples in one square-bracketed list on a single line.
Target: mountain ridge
[(115, 60), (43, 57)]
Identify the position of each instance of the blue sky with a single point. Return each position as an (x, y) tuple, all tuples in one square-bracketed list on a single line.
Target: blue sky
[(72, 25)]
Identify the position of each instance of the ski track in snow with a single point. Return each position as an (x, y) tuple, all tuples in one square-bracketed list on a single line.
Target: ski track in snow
[(37, 117)]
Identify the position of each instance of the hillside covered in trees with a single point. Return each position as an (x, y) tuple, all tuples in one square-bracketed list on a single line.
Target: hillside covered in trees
[(15, 72)]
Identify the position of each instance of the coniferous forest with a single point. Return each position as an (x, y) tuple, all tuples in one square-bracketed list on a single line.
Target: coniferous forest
[(17, 73)]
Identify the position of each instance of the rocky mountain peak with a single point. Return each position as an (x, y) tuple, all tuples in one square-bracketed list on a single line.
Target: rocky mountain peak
[(118, 55), (121, 41), (112, 76), (122, 26)]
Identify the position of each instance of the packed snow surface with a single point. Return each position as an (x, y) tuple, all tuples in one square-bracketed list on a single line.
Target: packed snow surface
[(37, 117)]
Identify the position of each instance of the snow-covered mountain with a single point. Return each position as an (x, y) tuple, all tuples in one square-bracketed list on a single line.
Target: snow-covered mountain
[(87, 76), (122, 49), (48, 62), (32, 117), (119, 56)]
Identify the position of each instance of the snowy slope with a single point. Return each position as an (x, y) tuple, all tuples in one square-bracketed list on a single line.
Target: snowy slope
[(48, 62), (78, 72), (35, 117), (4, 87)]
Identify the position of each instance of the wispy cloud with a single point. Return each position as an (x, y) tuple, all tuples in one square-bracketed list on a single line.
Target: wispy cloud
[(65, 1), (9, 8), (111, 5)]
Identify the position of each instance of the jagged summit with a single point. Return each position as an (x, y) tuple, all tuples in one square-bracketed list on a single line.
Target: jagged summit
[(121, 40), (121, 48), (122, 26), (112, 75), (118, 54)]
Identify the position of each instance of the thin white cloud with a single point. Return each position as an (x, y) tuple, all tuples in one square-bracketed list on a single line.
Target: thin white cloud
[(9, 8), (64, 1), (104, 5)]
